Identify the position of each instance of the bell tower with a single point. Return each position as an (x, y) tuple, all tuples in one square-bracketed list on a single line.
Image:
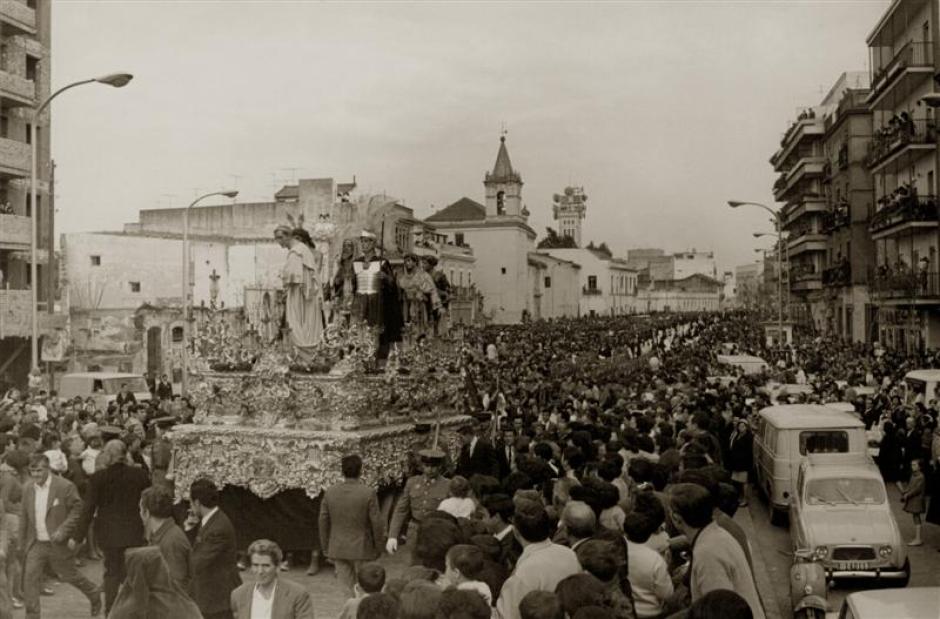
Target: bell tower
[(568, 210), (503, 187)]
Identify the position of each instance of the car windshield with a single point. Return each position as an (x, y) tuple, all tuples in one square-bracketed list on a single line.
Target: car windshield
[(845, 490), (112, 386)]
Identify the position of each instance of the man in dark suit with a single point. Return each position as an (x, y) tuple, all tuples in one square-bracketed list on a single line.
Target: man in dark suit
[(164, 388), (113, 502), (156, 512), (45, 538), (477, 456), (506, 452), (125, 396), (351, 526), (214, 547)]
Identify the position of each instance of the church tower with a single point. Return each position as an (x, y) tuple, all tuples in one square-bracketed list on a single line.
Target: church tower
[(504, 188), (568, 211)]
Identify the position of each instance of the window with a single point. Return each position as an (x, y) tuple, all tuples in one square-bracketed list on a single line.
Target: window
[(177, 334), (845, 491), (96, 261), (135, 286), (502, 270), (592, 282), (458, 239), (548, 282), (32, 68), (824, 441)]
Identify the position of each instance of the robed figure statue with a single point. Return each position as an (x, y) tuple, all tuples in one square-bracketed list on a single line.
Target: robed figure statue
[(303, 304)]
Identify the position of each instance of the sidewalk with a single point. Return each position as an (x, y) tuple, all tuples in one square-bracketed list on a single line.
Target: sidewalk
[(774, 607)]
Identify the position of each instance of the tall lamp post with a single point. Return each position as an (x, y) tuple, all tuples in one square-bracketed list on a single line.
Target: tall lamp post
[(115, 79), (779, 229), (186, 297)]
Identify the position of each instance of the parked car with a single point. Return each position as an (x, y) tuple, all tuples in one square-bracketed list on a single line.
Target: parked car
[(840, 510), (749, 364), (785, 434), (910, 603), (919, 383), (102, 386)]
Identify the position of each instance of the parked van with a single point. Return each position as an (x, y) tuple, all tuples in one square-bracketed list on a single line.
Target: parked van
[(786, 434), (102, 386), (921, 383)]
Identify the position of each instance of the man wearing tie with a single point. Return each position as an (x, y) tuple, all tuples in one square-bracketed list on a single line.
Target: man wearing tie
[(506, 453), (477, 455)]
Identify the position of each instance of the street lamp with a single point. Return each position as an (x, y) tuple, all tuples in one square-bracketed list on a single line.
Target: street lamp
[(779, 234), (186, 297), (114, 79)]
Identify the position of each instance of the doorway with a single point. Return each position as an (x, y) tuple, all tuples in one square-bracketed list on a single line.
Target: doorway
[(155, 351)]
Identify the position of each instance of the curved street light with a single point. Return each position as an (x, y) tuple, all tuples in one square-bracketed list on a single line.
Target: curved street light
[(186, 298), (117, 80), (779, 234)]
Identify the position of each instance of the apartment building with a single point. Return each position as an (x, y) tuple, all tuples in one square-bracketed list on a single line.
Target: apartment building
[(903, 163), (847, 188), (24, 81)]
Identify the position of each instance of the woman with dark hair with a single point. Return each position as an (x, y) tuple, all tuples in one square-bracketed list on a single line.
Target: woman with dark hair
[(148, 591), (741, 454)]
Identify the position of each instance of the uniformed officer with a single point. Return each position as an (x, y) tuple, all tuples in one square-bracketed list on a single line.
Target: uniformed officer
[(161, 451), (421, 496)]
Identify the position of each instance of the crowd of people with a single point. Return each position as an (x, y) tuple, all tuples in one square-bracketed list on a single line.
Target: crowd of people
[(599, 479)]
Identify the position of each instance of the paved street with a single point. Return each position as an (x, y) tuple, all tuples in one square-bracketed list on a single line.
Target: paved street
[(773, 543)]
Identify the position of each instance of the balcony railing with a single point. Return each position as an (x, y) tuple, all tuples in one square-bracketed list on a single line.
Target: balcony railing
[(16, 90), (836, 218), (912, 54), (838, 275), (14, 229), (15, 317), (905, 209), (905, 285), (590, 291), (802, 273), (900, 132)]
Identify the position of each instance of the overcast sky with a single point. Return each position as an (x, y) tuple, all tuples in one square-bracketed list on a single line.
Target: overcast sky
[(661, 110)]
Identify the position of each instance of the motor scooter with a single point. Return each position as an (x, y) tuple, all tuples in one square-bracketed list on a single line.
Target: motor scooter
[(808, 586)]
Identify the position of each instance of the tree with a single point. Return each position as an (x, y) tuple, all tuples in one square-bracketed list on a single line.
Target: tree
[(553, 241)]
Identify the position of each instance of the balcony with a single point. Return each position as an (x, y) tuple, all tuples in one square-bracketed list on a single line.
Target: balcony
[(16, 18), (15, 315), (14, 159), (838, 275), (912, 64), (836, 218), (16, 91), (808, 203), (15, 231), (902, 134), (902, 284), (806, 241), (805, 278), (585, 290), (806, 167), (903, 213), (807, 126)]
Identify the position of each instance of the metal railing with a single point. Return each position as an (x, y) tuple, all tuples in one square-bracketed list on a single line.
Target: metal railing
[(912, 54), (838, 275), (590, 291), (904, 209), (920, 285), (898, 133), (835, 218)]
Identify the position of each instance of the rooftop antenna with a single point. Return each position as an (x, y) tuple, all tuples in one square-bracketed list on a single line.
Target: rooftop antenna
[(293, 174), (235, 178), (503, 131), (169, 199)]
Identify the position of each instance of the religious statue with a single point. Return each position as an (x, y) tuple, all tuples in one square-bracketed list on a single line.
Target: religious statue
[(303, 306), (378, 302), (343, 292), (417, 289)]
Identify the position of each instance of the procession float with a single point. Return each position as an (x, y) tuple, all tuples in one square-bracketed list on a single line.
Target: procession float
[(341, 359)]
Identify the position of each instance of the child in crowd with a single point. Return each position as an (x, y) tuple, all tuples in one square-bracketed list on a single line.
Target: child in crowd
[(464, 563), (52, 449), (458, 504), (370, 579), (913, 497)]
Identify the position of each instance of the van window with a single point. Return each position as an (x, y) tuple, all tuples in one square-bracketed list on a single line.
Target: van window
[(824, 442), (138, 385), (770, 439), (97, 386)]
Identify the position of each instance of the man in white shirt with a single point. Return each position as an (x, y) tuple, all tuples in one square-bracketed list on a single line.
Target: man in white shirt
[(256, 600), (542, 564), (646, 569)]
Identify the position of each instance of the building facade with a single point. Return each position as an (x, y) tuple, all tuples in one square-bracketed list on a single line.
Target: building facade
[(25, 68), (903, 47), (848, 190), (695, 293), (608, 285)]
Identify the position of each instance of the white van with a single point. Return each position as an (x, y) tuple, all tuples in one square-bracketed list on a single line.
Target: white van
[(785, 434), (103, 387), (921, 383)]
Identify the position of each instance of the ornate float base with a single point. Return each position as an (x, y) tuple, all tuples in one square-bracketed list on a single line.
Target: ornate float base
[(267, 461)]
